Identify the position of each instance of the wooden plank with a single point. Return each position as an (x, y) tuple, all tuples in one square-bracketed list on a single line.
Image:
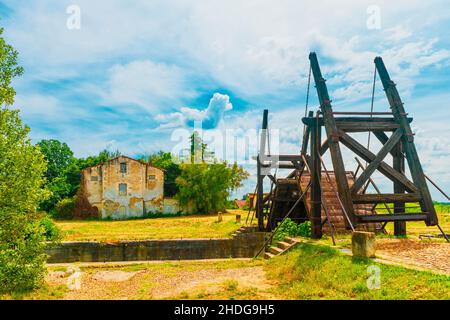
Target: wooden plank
[(288, 157), (392, 217), (367, 126), (286, 166), (368, 156), (365, 175), (333, 142), (343, 120), (386, 198), (409, 147)]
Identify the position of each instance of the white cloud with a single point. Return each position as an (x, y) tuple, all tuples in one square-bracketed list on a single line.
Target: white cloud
[(209, 117), (154, 57), (147, 84)]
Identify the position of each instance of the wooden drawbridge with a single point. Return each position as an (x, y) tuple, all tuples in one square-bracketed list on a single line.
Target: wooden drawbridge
[(288, 191), (337, 200)]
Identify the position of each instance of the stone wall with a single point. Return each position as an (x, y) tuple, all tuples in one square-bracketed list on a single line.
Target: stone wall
[(120, 188), (241, 245)]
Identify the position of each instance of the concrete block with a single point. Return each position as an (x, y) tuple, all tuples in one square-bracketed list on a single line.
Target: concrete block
[(363, 244)]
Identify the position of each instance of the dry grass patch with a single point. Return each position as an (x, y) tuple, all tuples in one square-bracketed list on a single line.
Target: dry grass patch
[(195, 226), (225, 279)]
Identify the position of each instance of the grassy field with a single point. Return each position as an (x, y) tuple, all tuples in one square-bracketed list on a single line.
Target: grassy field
[(196, 226), (309, 271), (419, 227), (320, 272)]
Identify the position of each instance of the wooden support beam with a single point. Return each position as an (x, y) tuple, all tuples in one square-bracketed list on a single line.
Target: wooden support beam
[(288, 157), (398, 163), (409, 147), (343, 120), (386, 198), (306, 134), (332, 134), (392, 217), (259, 174), (316, 192), (324, 147), (365, 175), (259, 197), (381, 136), (367, 126), (272, 178), (286, 166), (368, 156)]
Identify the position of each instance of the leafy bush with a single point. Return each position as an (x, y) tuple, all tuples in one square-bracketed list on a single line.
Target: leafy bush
[(291, 229), (204, 188), (304, 229), (65, 209), (51, 231), (231, 204)]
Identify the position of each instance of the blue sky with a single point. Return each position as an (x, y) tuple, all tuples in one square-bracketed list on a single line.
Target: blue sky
[(138, 73)]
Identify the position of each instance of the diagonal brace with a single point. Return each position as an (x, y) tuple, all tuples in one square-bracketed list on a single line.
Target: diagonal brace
[(384, 168), (387, 147)]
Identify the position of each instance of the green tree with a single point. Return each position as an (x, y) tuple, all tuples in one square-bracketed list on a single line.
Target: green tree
[(64, 170), (198, 148), (103, 156), (22, 238), (8, 70), (166, 161), (61, 162), (59, 157), (22, 169), (205, 188)]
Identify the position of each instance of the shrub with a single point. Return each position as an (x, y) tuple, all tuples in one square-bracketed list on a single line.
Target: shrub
[(231, 204), (22, 264), (65, 209), (291, 229), (304, 229), (51, 231), (204, 188)]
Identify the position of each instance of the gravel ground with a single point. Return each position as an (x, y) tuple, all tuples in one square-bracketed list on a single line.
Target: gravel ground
[(420, 253)]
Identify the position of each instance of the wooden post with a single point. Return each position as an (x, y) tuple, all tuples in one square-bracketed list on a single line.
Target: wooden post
[(399, 207), (259, 196), (306, 135), (259, 173), (316, 203), (333, 139), (408, 146)]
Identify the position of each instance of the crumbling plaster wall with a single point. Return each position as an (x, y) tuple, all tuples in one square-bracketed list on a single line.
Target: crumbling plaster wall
[(144, 188)]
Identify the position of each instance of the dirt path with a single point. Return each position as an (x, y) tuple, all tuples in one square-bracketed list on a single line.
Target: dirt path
[(169, 283), (422, 254)]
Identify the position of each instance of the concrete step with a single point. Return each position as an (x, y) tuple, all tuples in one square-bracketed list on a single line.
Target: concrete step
[(283, 245), (290, 240), (275, 250), (268, 255)]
